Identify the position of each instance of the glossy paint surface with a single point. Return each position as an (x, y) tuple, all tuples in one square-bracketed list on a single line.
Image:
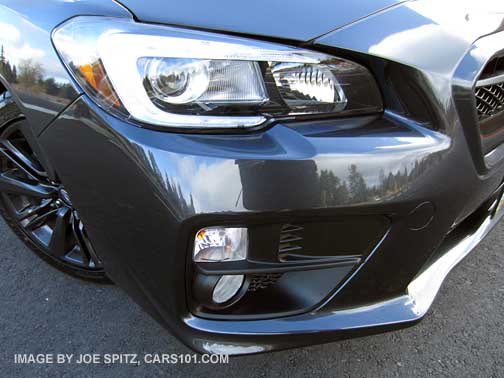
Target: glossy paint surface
[(146, 192), (428, 34), (224, 173), (296, 20)]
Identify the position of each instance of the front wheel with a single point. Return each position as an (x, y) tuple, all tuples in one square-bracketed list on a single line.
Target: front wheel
[(38, 209)]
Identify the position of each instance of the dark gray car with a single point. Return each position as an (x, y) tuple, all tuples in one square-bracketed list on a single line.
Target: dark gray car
[(256, 175)]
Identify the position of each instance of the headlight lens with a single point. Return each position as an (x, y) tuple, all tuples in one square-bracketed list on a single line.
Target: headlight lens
[(308, 86), (178, 81), (181, 78)]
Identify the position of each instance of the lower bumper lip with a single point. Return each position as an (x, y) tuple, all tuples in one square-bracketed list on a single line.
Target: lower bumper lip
[(425, 287)]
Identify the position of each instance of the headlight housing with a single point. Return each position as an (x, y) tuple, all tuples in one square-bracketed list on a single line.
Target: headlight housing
[(172, 77)]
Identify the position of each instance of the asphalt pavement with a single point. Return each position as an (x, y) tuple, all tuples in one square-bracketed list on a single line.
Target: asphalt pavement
[(43, 311)]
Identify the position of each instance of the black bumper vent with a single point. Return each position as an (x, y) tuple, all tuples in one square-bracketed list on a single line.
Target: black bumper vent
[(291, 238)]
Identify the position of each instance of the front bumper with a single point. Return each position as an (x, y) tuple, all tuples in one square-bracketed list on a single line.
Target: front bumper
[(145, 193)]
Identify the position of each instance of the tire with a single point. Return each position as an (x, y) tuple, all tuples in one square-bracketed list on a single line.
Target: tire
[(37, 209)]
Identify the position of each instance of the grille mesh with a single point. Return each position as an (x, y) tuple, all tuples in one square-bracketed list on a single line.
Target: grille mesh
[(490, 100), (263, 281)]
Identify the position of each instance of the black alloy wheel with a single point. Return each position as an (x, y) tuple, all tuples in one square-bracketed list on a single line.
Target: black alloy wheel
[(39, 210)]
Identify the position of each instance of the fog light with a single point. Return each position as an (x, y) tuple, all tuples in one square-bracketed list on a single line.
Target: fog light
[(227, 288), (218, 292), (219, 244)]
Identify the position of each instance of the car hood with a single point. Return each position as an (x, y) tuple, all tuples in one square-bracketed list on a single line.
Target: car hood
[(295, 19)]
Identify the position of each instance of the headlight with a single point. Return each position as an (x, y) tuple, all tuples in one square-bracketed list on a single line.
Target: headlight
[(181, 78)]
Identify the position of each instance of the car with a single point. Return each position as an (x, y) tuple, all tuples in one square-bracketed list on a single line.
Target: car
[(257, 176)]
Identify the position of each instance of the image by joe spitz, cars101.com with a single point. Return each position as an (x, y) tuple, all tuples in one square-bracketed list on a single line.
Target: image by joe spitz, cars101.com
[(255, 175)]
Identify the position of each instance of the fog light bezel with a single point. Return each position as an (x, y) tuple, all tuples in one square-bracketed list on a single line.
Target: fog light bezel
[(203, 288)]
